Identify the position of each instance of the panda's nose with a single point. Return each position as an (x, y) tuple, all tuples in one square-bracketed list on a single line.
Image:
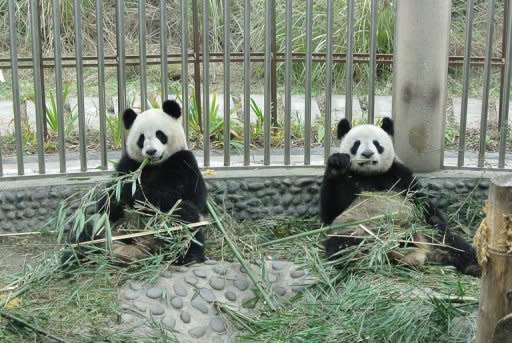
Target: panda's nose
[(151, 152), (367, 153)]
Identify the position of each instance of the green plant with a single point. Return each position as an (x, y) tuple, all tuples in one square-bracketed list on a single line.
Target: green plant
[(115, 128), (52, 112)]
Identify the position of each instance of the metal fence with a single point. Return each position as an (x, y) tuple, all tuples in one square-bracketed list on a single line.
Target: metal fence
[(317, 54)]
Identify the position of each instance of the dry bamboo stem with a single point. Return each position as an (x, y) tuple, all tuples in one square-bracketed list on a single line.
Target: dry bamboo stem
[(496, 290)]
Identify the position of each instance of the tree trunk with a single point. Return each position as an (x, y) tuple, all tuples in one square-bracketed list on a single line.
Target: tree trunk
[(496, 290)]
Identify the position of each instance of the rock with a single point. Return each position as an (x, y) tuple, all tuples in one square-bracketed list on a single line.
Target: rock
[(218, 325), (154, 293)]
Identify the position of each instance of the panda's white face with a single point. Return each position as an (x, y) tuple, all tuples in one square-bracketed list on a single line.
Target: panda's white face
[(370, 149), (155, 135)]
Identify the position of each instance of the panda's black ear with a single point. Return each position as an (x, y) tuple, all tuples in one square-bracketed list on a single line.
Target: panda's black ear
[(129, 116), (343, 128), (172, 108), (387, 125)]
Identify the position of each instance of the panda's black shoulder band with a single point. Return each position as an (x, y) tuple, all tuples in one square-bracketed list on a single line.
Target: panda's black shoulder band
[(172, 108)]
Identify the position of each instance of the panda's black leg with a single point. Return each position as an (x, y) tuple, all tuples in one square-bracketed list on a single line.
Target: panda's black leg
[(195, 253), (335, 244), (462, 255)]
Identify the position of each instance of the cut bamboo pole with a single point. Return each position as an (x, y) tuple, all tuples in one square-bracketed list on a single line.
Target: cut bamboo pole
[(495, 236)]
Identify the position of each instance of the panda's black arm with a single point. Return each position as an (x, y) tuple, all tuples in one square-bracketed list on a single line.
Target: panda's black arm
[(108, 200), (338, 190)]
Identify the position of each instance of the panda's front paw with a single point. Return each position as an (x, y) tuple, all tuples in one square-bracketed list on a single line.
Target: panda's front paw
[(339, 162)]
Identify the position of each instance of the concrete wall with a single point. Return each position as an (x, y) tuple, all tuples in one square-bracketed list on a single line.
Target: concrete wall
[(28, 205)]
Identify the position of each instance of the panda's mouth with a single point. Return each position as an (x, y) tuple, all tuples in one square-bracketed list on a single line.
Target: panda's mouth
[(367, 162)]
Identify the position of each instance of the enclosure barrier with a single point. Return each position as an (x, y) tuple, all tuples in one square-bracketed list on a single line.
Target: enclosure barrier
[(190, 50)]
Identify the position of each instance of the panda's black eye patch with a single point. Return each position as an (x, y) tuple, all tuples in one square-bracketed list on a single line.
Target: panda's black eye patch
[(379, 147), (140, 141), (161, 136), (354, 148)]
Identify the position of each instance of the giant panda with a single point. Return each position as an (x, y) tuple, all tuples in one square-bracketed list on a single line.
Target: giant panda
[(171, 175), (357, 183)]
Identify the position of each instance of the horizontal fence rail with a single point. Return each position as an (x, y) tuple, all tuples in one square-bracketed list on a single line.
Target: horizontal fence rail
[(262, 83)]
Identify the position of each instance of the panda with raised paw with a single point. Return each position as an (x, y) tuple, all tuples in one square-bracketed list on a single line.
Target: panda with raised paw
[(171, 175), (365, 168)]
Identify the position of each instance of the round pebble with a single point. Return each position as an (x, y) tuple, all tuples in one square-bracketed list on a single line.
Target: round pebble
[(218, 325), (139, 305), (210, 262), (278, 265), (280, 291), (297, 288), (218, 340), (217, 283), (197, 332), (166, 274), (230, 295), (154, 293), (272, 278), (199, 305), (136, 286), (131, 295), (199, 273), (191, 280), (241, 284), (176, 302), (207, 294), (157, 309), (169, 322), (180, 289), (297, 274), (220, 269), (185, 317)]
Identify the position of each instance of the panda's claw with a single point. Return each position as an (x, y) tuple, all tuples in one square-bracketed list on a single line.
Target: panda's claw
[(339, 162)]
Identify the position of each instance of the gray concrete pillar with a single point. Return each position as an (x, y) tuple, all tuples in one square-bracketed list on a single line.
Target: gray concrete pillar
[(420, 81)]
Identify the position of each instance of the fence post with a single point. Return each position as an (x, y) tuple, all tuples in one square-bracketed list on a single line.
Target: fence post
[(420, 81), (494, 244)]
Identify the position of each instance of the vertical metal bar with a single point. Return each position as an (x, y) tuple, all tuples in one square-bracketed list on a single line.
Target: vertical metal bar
[(197, 63), (504, 43), (505, 93), (38, 82), (121, 60), (184, 68), (58, 83), (349, 68), (465, 83), (267, 83), (487, 79), (80, 86), (15, 88), (273, 70), (328, 86), (373, 61), (247, 82), (164, 70), (227, 81), (206, 86), (142, 53), (308, 70), (288, 83), (100, 52)]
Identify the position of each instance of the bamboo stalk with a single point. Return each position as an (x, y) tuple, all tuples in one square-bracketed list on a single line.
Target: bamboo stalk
[(141, 234), (31, 233), (266, 296), (32, 327), (327, 228)]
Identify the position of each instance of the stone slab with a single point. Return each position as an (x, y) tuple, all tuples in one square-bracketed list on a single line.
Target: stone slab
[(474, 112), (338, 108), (185, 302), (6, 117)]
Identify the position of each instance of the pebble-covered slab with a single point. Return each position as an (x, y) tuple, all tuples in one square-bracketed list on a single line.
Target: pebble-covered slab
[(184, 300)]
